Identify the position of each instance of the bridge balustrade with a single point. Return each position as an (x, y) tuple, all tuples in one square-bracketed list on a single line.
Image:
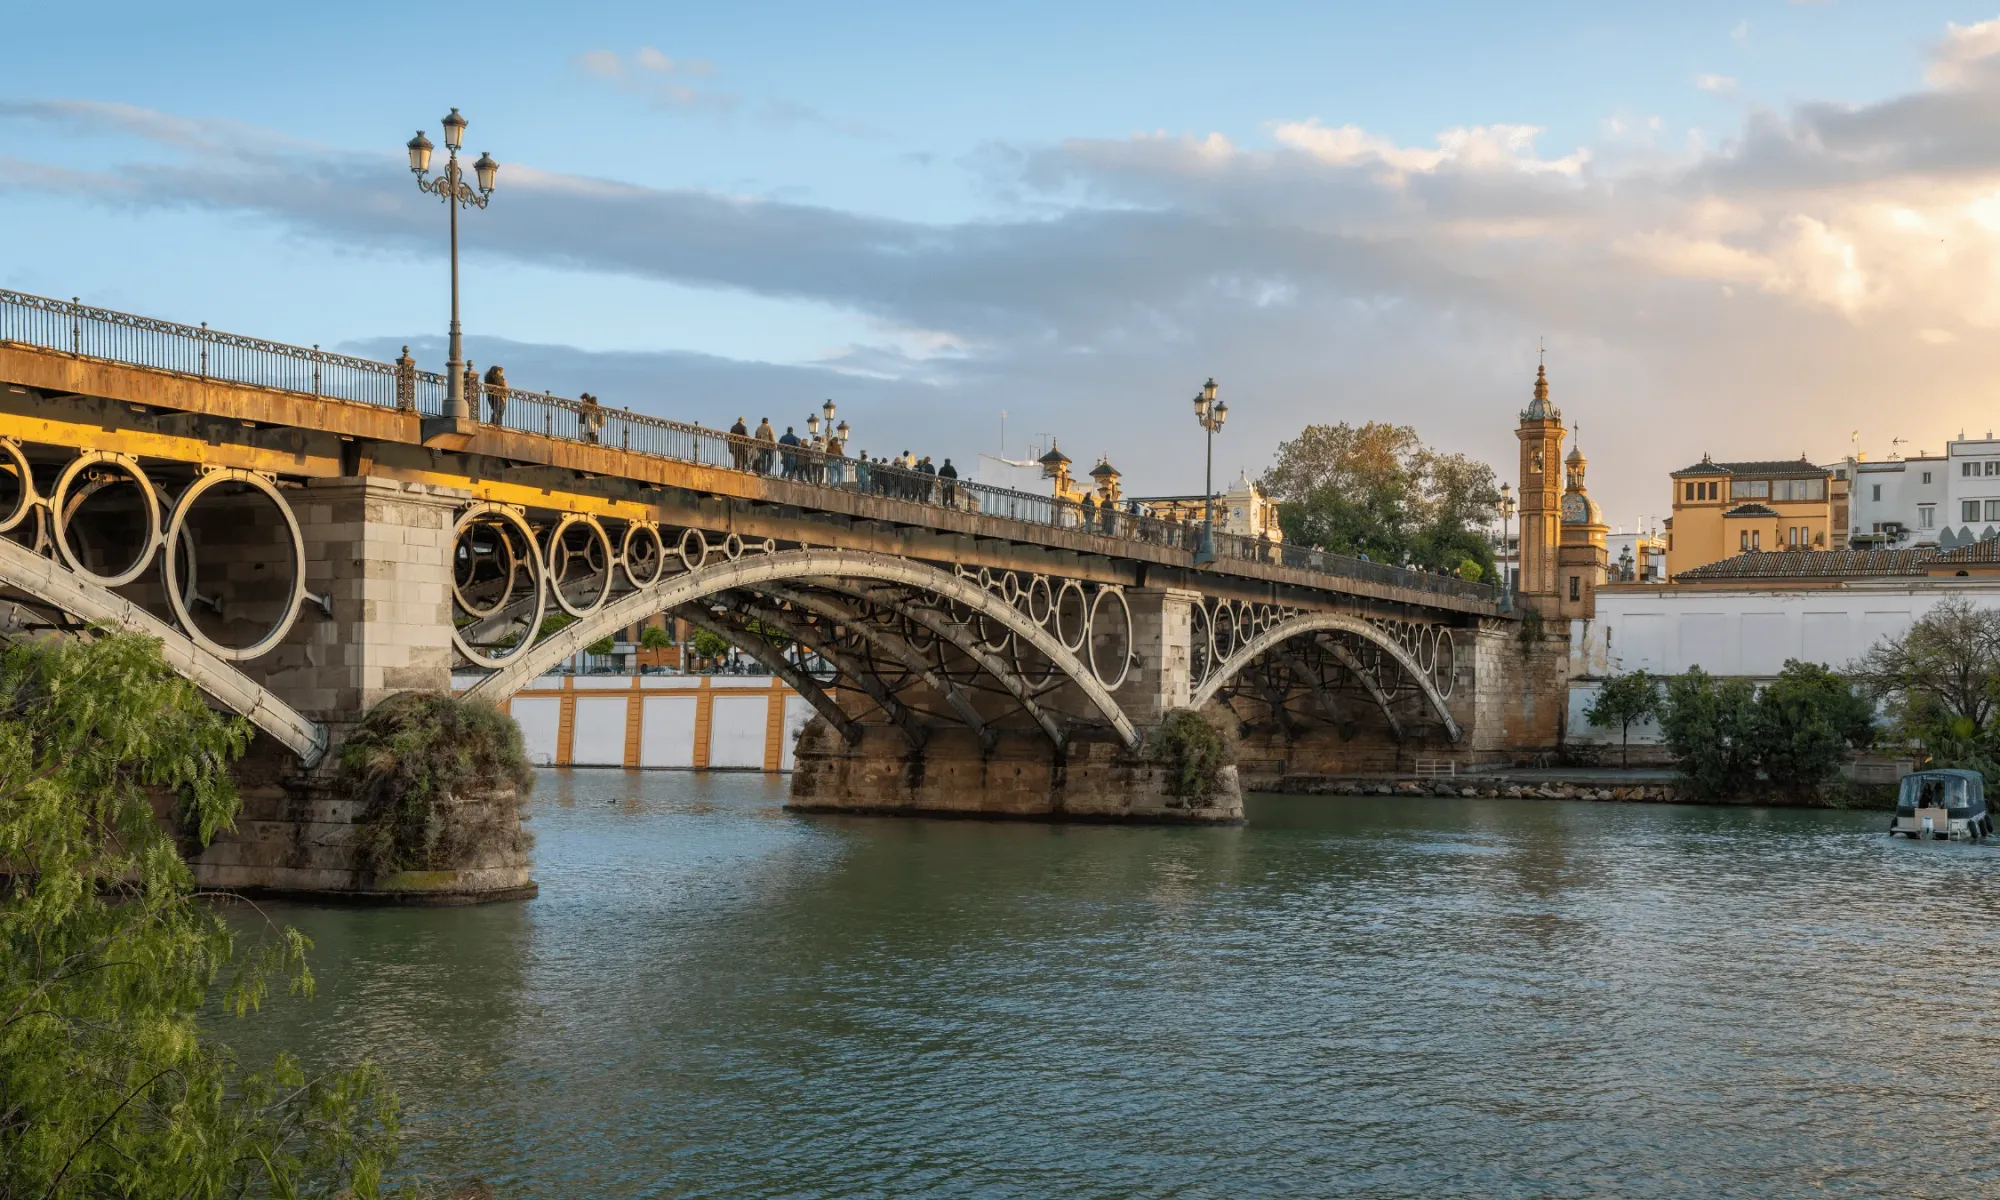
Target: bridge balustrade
[(198, 351)]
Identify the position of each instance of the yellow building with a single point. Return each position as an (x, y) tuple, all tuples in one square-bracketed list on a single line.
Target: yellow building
[(1243, 510), (1722, 509)]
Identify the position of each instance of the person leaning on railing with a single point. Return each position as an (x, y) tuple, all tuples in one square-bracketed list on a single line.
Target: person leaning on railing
[(591, 420), (787, 455), (496, 393), (739, 445), (836, 462)]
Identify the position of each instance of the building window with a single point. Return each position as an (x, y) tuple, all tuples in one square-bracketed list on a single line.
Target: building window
[(1743, 540), (1992, 466), (1690, 491), (1575, 587), (1993, 510), (1926, 516), (1968, 510), (1749, 489), (1875, 492), (1756, 539), (1967, 469), (1927, 476), (1808, 489)]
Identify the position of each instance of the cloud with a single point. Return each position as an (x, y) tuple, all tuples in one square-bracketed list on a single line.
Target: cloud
[(1775, 283), (1715, 85), (664, 81)]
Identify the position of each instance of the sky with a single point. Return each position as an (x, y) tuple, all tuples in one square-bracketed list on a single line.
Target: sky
[(1752, 229)]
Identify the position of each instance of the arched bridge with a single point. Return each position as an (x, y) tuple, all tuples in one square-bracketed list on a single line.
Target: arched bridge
[(308, 533)]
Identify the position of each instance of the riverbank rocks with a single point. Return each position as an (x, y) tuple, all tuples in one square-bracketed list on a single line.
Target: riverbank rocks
[(1470, 788)]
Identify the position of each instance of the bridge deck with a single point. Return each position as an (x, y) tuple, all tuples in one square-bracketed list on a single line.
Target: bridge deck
[(353, 408)]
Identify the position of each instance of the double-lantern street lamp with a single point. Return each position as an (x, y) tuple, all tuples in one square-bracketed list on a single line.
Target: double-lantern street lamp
[(1211, 413), (1507, 506), (812, 424), (451, 188)]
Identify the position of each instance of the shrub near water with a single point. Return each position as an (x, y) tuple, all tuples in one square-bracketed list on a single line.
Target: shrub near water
[(1194, 750), (423, 761), (109, 1083)]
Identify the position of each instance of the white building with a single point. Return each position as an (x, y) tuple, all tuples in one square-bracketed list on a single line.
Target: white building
[(1943, 500)]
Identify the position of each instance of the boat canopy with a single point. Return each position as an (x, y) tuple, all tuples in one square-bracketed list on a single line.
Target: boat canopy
[(1941, 789)]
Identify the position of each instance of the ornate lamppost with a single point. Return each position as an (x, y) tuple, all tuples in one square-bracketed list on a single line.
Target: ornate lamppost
[(1507, 507), (451, 188), (1211, 414)]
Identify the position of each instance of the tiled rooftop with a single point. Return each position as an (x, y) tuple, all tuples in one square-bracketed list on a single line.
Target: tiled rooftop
[(1796, 468), (1813, 564)]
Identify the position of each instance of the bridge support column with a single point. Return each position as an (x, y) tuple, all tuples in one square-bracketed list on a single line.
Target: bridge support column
[(1162, 678), (1094, 779), (380, 552)]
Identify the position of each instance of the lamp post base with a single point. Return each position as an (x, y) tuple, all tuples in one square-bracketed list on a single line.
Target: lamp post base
[(449, 433)]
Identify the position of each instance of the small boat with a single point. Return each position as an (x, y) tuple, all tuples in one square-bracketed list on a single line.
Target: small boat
[(1942, 804)]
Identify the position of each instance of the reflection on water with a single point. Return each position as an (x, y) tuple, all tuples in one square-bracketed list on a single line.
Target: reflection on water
[(1386, 997)]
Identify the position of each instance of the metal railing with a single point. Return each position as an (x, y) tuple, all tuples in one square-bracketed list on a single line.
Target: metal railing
[(71, 327)]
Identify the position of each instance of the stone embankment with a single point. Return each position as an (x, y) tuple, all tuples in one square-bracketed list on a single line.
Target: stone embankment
[(1471, 788)]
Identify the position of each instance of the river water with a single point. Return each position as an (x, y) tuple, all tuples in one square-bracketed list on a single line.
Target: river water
[(1390, 997)]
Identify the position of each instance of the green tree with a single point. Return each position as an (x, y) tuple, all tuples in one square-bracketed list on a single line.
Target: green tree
[(602, 646), (1624, 701), (1940, 683), (1711, 727), (1378, 490), (108, 1084), (655, 637), (1808, 718), (709, 644)]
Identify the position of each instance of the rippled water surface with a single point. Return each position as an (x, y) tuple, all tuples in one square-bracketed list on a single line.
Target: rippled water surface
[(1349, 997)]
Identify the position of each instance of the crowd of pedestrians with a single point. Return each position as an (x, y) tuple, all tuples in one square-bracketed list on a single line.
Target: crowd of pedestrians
[(823, 458)]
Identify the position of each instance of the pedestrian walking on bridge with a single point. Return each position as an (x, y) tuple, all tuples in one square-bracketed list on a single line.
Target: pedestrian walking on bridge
[(739, 450)]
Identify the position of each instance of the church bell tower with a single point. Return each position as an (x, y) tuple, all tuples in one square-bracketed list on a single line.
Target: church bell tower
[(1541, 434)]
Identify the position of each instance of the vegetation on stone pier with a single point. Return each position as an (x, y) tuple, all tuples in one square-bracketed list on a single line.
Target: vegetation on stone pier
[(108, 1084), (1194, 750), (432, 770)]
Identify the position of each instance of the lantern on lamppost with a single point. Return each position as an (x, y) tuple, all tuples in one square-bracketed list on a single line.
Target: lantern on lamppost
[(1507, 506), (1210, 413), (456, 193)]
